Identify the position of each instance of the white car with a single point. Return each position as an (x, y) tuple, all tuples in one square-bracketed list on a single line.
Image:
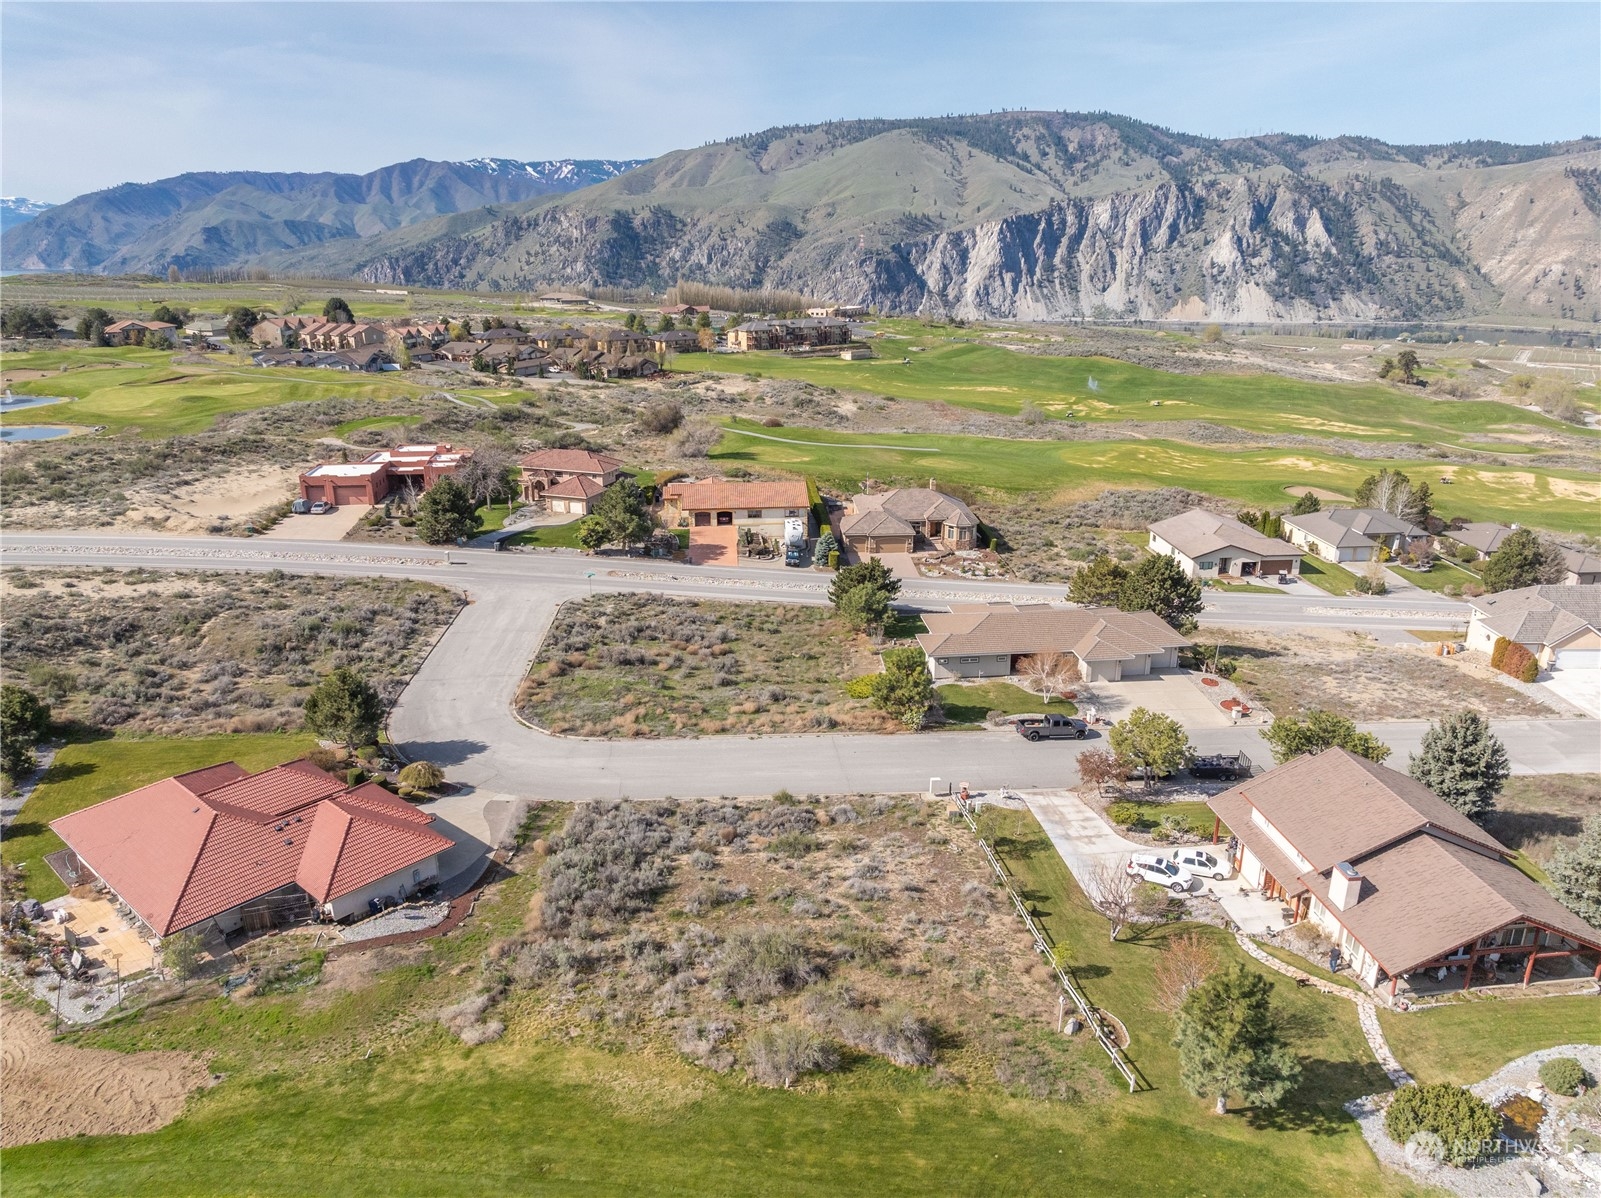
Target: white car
[(1148, 867), (1203, 862)]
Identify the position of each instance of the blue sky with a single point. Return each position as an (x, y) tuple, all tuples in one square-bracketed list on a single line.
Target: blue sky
[(93, 95)]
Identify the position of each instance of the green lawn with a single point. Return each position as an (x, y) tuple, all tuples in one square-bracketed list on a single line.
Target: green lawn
[(968, 704), (146, 392), (1000, 380), (1562, 500), (1200, 818), (492, 516), (1247, 588), (549, 536), (1445, 573), (90, 771), (1336, 580), (348, 1088), (1465, 1042)]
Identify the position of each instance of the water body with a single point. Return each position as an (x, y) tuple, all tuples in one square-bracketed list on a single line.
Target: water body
[(32, 432), (16, 403)]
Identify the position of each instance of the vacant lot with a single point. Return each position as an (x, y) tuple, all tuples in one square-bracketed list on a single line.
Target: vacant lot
[(1355, 676), (1537, 813), (153, 652), (642, 665)]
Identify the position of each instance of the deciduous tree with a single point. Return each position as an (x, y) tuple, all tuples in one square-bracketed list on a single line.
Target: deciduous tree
[(1229, 1043), (1111, 893), (24, 721), (1099, 769), (1154, 745), (1313, 731), (1463, 762), (1187, 960), (344, 707), (1050, 673)]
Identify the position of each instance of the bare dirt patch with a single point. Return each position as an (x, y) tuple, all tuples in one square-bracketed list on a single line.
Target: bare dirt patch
[(1323, 493), (55, 1091), (1354, 675), (1538, 813)]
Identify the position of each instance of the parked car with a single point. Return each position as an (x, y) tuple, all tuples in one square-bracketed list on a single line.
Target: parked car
[(321, 506), (1227, 766), (1203, 862), (795, 555), (1148, 867), (300, 507), (1052, 727)]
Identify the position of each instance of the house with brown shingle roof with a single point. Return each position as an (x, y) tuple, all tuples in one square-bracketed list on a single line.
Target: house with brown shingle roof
[(1402, 882), (908, 519), (1206, 545), (987, 640), (226, 849), (1560, 625)]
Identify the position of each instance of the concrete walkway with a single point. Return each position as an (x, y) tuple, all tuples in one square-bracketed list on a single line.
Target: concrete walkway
[(1084, 840)]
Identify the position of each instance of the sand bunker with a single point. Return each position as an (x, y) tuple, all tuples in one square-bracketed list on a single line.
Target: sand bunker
[(1299, 489), (53, 1091)]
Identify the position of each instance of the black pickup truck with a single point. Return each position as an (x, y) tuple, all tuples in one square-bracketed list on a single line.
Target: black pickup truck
[(1229, 767), (1052, 727)]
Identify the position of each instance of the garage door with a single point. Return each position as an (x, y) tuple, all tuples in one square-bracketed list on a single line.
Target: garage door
[(1579, 659), (349, 495)]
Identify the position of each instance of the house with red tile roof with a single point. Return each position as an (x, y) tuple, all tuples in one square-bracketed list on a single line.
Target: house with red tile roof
[(226, 849), (129, 332), (546, 470)]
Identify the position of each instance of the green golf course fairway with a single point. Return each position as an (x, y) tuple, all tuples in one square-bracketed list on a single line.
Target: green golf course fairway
[(1064, 470), (1098, 390)]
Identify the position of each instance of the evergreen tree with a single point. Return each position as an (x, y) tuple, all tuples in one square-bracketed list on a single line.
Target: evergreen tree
[(1290, 736), (1463, 762), (826, 544), (24, 721), (1155, 745), (446, 513), (1159, 585), (904, 689), (619, 516), (703, 321), (666, 324), (1306, 505), (1228, 1042), (1575, 873), (240, 321), (344, 707), (92, 325), (338, 311), (1099, 583), (1522, 560), (863, 608), (871, 573)]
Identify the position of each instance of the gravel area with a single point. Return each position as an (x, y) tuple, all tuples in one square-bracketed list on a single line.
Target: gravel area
[(412, 917), (1571, 1175)]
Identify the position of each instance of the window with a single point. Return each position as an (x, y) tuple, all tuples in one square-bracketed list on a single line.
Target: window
[(794, 511), (966, 661), (1206, 565), (753, 515)]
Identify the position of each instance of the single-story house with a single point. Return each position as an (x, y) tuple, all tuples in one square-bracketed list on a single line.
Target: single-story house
[(126, 332), (283, 357), (461, 351), (627, 366), (226, 849), (1206, 545), (838, 310), (1484, 537), (414, 467), (986, 640), (908, 519), (569, 299), (715, 503), (545, 468), (499, 336), (363, 359), (1584, 569), (1560, 625), (1400, 880), (1350, 534), (682, 310)]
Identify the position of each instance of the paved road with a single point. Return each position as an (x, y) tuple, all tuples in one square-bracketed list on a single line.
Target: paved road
[(457, 711)]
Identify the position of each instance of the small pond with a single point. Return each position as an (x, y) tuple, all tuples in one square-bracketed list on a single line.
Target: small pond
[(32, 432), (17, 403)]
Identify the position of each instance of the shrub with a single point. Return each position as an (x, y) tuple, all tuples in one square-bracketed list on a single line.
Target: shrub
[(664, 417), (781, 1054), (862, 687), (1530, 670), (762, 963), (1498, 652), (703, 1041), (422, 775), (893, 1032), (1564, 1076), (324, 759), (611, 860), (180, 953), (1464, 1123), (1124, 815), (793, 844), (1520, 663)]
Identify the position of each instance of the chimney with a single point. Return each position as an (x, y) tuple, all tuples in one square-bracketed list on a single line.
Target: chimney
[(1345, 886)]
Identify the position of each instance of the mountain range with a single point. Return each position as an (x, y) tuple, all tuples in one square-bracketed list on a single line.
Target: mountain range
[(214, 219), (1034, 215), (16, 210)]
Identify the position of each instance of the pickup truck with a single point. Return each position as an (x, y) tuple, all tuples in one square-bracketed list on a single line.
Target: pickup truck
[(1229, 767), (1052, 727)]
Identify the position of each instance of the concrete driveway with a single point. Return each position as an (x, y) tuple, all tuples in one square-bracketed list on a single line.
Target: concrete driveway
[(1080, 835), (1582, 688), (1172, 692), (330, 526)]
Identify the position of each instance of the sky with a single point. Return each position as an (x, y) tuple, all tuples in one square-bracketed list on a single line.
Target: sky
[(92, 95)]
